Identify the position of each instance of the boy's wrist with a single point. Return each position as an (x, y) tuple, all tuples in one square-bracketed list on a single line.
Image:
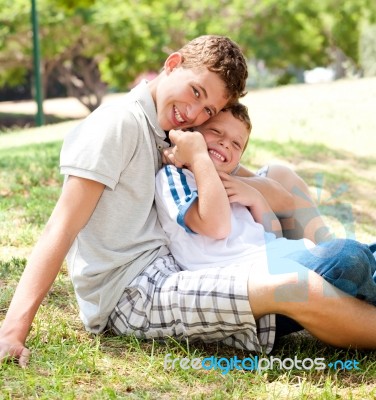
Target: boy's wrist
[(13, 331), (201, 162)]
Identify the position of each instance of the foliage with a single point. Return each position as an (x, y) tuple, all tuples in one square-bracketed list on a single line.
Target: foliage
[(88, 45), (368, 50)]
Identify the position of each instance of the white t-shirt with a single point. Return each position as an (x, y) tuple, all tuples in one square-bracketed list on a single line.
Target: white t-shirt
[(248, 242)]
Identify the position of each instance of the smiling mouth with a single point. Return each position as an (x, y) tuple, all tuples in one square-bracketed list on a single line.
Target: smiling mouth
[(178, 116), (217, 155)]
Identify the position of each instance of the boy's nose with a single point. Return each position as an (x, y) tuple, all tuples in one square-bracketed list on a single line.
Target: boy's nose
[(224, 142), (195, 112)]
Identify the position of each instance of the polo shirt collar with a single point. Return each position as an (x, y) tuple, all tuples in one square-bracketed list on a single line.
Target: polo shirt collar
[(145, 100)]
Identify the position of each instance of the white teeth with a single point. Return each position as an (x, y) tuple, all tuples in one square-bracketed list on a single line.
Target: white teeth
[(178, 116), (217, 155)]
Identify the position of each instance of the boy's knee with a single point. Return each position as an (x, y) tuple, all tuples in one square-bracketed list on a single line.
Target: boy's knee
[(349, 263), (270, 293), (283, 175)]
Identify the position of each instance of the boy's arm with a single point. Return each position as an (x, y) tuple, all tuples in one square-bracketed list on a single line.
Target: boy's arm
[(210, 214), (245, 194), (279, 199), (73, 209)]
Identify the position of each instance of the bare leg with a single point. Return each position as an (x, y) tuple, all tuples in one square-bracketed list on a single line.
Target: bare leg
[(306, 220), (323, 310)]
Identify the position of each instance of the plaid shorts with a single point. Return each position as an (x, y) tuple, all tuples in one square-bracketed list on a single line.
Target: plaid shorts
[(209, 305)]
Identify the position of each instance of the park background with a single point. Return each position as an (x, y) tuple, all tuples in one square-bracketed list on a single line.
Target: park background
[(94, 51)]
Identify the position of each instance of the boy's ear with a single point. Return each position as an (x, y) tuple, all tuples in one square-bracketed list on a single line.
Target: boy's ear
[(173, 61)]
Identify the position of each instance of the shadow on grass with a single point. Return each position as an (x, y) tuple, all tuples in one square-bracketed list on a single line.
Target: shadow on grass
[(297, 151), (11, 121), (12, 270), (299, 346)]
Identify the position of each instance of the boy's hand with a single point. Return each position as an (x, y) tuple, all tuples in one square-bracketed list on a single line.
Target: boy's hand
[(168, 155), (238, 191), (14, 351), (188, 147), (246, 195)]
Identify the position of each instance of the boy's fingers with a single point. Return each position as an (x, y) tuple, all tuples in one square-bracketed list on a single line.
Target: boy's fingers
[(232, 198), (168, 156), (173, 135), (171, 159), (24, 357), (224, 176), (20, 353)]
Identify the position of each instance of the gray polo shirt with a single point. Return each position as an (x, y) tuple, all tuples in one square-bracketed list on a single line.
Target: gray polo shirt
[(118, 145)]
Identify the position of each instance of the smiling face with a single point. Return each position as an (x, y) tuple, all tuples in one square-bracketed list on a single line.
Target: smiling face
[(187, 97), (226, 138)]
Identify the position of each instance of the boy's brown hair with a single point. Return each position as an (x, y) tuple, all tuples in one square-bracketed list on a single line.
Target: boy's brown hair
[(240, 112), (221, 55)]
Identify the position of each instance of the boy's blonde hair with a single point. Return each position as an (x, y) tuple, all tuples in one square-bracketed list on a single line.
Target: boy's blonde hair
[(221, 55)]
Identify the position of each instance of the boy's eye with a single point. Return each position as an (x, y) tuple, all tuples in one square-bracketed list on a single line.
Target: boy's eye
[(196, 92), (237, 145)]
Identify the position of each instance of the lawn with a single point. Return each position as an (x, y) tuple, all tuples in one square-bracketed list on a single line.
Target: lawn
[(325, 132)]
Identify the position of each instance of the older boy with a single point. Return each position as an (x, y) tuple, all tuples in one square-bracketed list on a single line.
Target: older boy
[(118, 260), (213, 219)]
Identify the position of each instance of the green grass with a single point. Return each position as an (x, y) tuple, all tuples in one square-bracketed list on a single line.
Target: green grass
[(69, 363), (29, 186)]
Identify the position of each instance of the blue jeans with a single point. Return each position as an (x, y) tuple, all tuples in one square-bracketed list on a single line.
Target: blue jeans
[(347, 264)]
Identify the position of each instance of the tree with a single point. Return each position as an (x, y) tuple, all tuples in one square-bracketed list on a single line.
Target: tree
[(89, 45), (304, 34), (70, 47)]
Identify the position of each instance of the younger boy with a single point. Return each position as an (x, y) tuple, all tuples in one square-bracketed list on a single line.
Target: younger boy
[(213, 218)]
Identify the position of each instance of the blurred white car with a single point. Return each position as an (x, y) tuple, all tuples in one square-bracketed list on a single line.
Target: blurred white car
[(319, 75)]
